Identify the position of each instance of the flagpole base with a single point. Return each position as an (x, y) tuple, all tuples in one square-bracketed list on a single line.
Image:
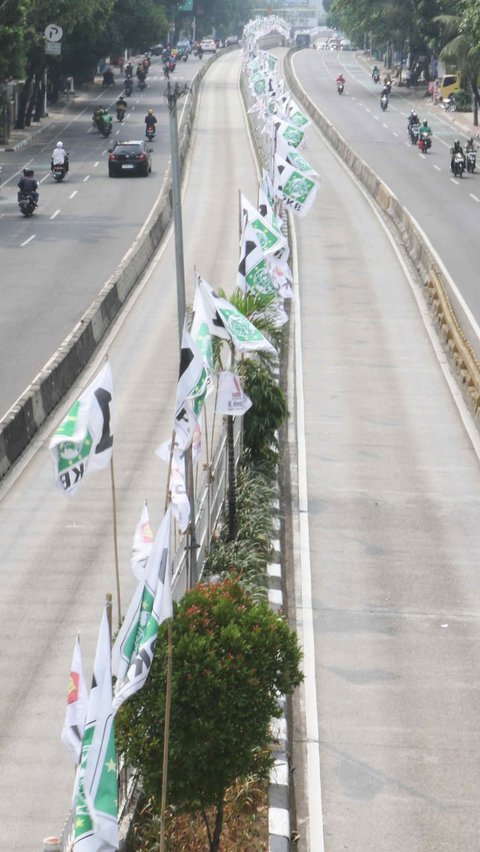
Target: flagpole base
[(52, 844)]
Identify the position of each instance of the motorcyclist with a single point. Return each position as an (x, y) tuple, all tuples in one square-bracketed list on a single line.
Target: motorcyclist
[(108, 78), (28, 185), (470, 146), (59, 157), (340, 80), (456, 149), (121, 107), (150, 120), (128, 84), (140, 73), (129, 70), (375, 72), (425, 128), (413, 119), (385, 91)]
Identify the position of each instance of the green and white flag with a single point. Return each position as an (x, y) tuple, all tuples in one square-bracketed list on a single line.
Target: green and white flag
[(83, 442), (289, 132), (96, 804), (134, 647), (269, 238), (253, 271), (292, 156), (296, 116), (226, 321), (295, 189)]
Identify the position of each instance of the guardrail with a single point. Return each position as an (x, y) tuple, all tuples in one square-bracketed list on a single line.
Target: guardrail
[(454, 320)]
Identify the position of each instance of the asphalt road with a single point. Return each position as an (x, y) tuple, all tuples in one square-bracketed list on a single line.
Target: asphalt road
[(57, 553), (447, 209), (55, 263), (393, 500)]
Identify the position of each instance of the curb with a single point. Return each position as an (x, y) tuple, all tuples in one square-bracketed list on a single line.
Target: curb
[(24, 142)]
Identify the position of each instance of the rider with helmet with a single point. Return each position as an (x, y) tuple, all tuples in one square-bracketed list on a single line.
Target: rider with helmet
[(28, 185), (424, 129), (150, 120), (456, 149), (413, 119), (59, 157), (470, 146)]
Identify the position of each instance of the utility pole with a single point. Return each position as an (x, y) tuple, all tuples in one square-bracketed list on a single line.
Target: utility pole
[(173, 95)]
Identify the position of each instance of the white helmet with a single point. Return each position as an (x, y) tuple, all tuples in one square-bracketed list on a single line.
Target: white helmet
[(59, 144)]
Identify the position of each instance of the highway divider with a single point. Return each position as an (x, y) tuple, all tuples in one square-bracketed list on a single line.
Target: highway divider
[(23, 420), (457, 326)]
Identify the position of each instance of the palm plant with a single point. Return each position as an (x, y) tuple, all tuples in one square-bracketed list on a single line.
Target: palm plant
[(460, 25)]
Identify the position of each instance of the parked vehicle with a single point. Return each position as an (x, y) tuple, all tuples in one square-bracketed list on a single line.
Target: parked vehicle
[(132, 158), (450, 104)]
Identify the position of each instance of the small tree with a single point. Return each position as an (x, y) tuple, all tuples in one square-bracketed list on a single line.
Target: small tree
[(232, 657)]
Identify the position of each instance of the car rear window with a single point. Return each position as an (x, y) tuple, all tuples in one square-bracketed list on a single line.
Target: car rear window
[(127, 149)]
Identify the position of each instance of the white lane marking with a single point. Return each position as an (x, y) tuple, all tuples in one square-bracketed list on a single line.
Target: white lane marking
[(376, 117), (395, 134), (314, 782), (385, 126), (353, 98), (360, 103), (43, 178), (73, 193), (86, 178), (96, 164), (474, 197), (368, 109), (29, 240), (56, 213), (408, 144), (454, 181), (437, 168)]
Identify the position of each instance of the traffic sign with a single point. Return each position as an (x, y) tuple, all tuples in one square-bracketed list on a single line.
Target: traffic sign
[(53, 33), (53, 48)]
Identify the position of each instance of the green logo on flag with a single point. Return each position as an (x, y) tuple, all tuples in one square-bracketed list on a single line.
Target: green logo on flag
[(298, 187)]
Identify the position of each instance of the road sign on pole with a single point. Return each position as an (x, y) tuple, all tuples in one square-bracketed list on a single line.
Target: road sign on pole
[(53, 33), (53, 48)]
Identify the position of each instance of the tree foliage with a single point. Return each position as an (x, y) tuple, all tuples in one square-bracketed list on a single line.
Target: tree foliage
[(231, 659)]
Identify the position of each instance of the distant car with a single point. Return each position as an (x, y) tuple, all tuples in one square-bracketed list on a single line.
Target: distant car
[(208, 45), (156, 50), (184, 45), (130, 158), (231, 41)]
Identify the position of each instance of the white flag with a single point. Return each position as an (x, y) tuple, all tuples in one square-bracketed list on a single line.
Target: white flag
[(192, 388), (226, 321), (141, 544), (269, 237), (253, 271), (177, 485), (230, 397), (83, 441), (76, 711), (297, 191), (134, 647), (96, 808)]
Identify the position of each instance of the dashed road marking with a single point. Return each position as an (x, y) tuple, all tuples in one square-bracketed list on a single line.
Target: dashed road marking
[(395, 134), (86, 178), (437, 168), (474, 197), (55, 214), (454, 181), (96, 164), (28, 241), (73, 193)]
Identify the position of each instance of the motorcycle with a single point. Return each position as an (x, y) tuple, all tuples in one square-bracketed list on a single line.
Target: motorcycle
[(340, 88), (458, 164), (384, 102), (150, 132), (105, 127), (471, 161), (58, 172), (141, 84), (413, 133), (376, 77), (120, 113), (27, 205), (449, 104), (424, 142), (128, 86)]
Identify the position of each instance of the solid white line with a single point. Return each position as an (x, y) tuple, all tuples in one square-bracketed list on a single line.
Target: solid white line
[(474, 197), (73, 193), (86, 178), (29, 240), (437, 168), (313, 785), (55, 214)]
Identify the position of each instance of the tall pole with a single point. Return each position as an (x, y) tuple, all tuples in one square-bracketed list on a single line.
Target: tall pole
[(173, 94)]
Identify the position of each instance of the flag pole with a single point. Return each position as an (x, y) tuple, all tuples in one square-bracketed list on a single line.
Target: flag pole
[(166, 737), (115, 541)]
